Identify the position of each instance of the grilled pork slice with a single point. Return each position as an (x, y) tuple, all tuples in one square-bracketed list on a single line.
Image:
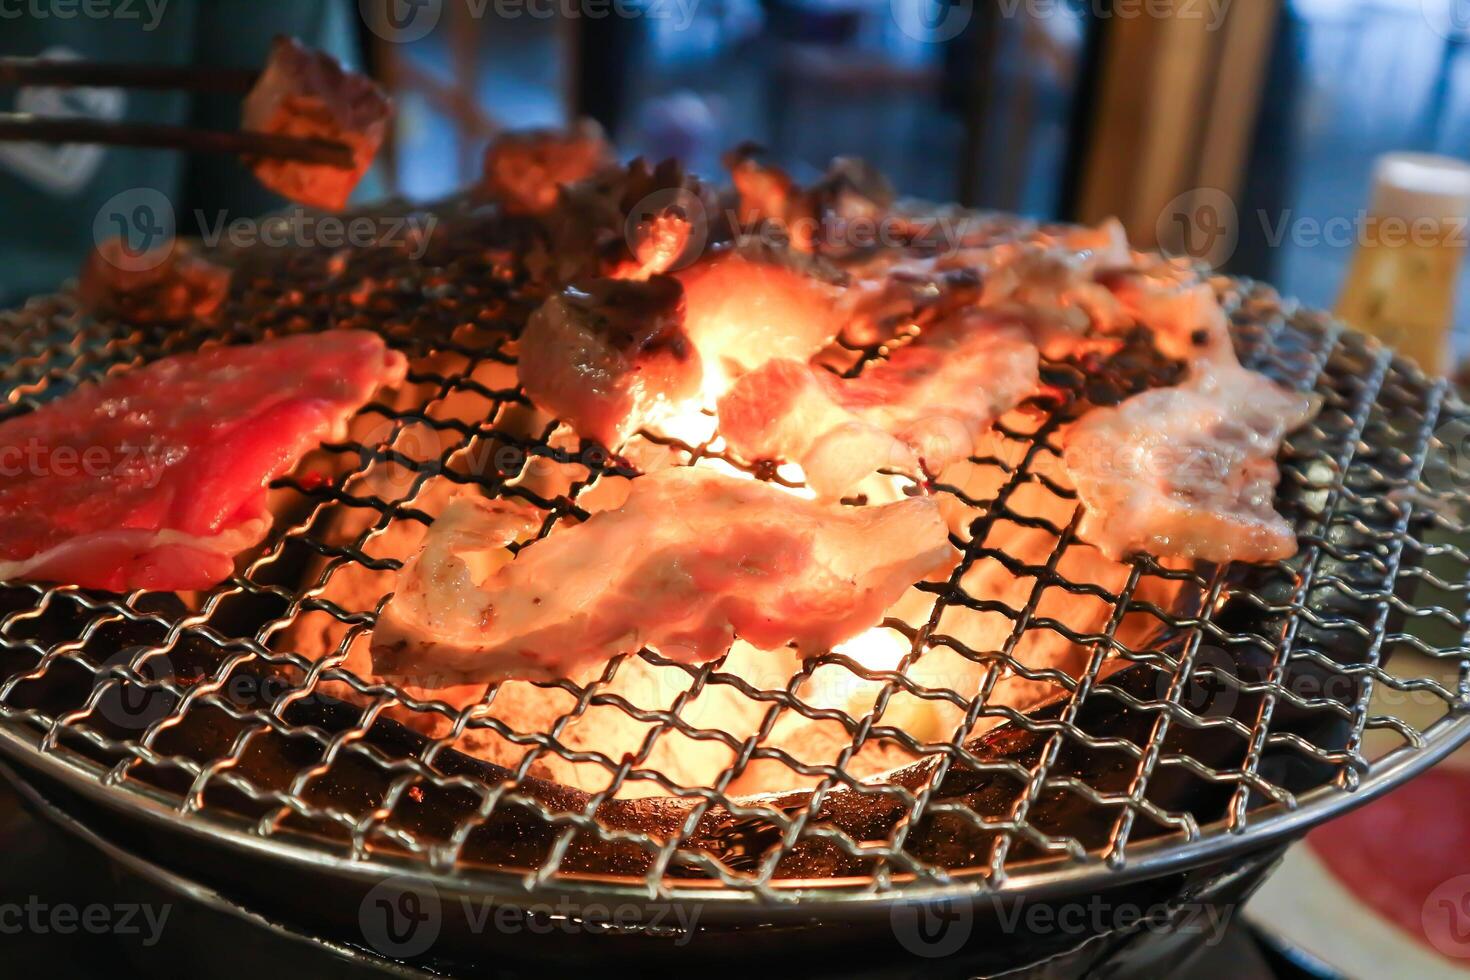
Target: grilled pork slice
[(690, 561), (525, 171), (1179, 308), (307, 93), (1189, 471), (927, 404), (608, 355), (168, 283), (156, 479), (1047, 281)]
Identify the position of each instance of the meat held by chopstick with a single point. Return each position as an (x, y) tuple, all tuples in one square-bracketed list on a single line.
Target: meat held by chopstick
[(169, 283), (608, 356), (927, 404), (690, 561), (1188, 471), (157, 478), (525, 171), (306, 93)]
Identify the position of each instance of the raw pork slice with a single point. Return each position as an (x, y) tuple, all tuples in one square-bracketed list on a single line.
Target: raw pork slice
[(156, 479), (306, 93), (1189, 471), (690, 561)]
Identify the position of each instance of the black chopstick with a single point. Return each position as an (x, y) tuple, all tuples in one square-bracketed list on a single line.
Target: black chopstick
[(15, 72), (20, 127)]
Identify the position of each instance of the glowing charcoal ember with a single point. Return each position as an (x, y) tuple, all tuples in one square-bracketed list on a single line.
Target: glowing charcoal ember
[(156, 478), (167, 283), (1189, 471), (306, 93), (609, 356), (526, 170), (701, 559), (743, 312), (929, 404)]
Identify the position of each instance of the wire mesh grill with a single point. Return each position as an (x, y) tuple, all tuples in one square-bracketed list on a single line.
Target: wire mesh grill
[(1042, 707)]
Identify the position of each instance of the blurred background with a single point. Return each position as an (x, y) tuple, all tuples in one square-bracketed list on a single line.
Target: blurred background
[(1071, 109)]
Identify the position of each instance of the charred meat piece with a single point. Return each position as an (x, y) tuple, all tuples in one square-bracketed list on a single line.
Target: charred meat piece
[(168, 283), (929, 404), (156, 479), (525, 171), (840, 213), (1188, 471), (626, 221), (690, 561), (607, 356), (306, 93)]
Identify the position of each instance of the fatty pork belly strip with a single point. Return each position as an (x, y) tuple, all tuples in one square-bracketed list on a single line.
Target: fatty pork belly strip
[(690, 561), (1188, 471), (157, 478), (928, 404)]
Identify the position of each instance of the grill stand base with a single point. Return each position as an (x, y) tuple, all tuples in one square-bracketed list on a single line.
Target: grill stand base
[(315, 928)]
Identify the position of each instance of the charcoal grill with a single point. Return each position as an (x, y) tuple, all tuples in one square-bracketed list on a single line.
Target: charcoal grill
[(1198, 719)]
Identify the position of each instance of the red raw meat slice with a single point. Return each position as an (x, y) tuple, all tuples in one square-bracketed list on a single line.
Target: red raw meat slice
[(156, 479), (306, 93), (1407, 857)]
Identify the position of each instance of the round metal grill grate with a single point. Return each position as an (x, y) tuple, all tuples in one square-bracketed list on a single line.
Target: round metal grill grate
[(1044, 716)]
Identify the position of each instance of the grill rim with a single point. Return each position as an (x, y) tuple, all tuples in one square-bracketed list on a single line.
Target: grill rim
[(1043, 878)]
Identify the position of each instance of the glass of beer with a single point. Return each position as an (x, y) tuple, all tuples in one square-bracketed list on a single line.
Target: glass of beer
[(1401, 286)]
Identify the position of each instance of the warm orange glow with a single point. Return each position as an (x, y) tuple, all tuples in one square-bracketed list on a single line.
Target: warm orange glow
[(835, 686), (690, 426), (657, 245), (877, 649)]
